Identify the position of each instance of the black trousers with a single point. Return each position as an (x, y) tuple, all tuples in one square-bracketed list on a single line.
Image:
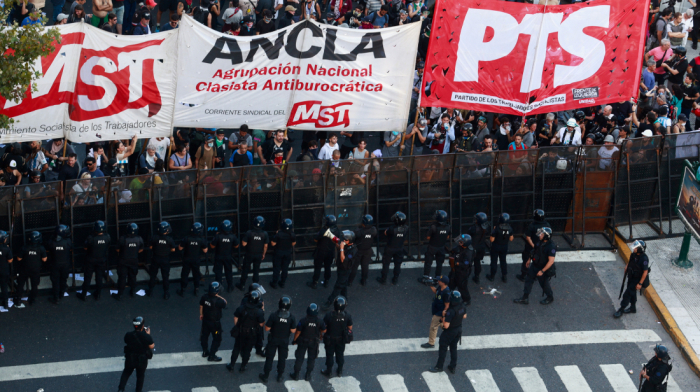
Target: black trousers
[(439, 256), (34, 277), (59, 277), (630, 294), (341, 285), (335, 347), (525, 258), (222, 266), (283, 351), (395, 256), (127, 272), (99, 271), (496, 255), (132, 363), (459, 280), (4, 281), (325, 261), (478, 257), (214, 329), (251, 261), (362, 259), (281, 264), (187, 266), (299, 354), (448, 339), (164, 267), (543, 280), (243, 346), (694, 32)]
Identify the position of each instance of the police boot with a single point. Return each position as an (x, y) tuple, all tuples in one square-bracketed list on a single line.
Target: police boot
[(273, 285), (118, 297), (281, 284), (214, 358), (489, 277), (363, 282), (96, 295), (180, 292), (280, 377), (547, 301), (294, 376), (313, 285), (239, 286), (380, 280), (80, 296), (476, 279), (229, 367), (619, 312), (149, 292), (451, 369), (326, 372), (132, 293), (520, 277), (339, 372), (435, 369), (229, 289), (307, 376), (243, 367), (504, 279), (205, 354), (631, 309), (395, 280), (263, 377), (324, 284), (195, 291), (522, 301)]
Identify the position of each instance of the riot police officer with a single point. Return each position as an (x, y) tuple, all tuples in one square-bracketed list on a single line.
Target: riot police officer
[(255, 241), (540, 267), (137, 352), (325, 251), (365, 238), (348, 252), (223, 244), (130, 246), (530, 240), (396, 236), (281, 325), (210, 306), (31, 259), (338, 326), (480, 241), (451, 333), (283, 241), (637, 271), (307, 336), (438, 235), (97, 249), (5, 261), (461, 257), (261, 304), (656, 370), (162, 245), (60, 250), (193, 246), (248, 319), (501, 235)]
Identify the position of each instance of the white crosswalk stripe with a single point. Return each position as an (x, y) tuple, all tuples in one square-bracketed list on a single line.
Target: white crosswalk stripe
[(572, 378), (345, 384), (618, 378), (438, 382), (298, 386), (529, 379), (672, 386), (392, 383), (482, 381), (258, 387), (205, 389)]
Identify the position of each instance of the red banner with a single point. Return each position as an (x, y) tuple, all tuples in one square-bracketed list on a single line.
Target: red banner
[(520, 58)]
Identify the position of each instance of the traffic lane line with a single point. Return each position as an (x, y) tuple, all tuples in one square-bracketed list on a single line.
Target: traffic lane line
[(362, 347)]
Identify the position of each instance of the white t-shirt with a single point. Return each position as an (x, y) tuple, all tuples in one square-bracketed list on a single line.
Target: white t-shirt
[(233, 15), (161, 146), (327, 151), (567, 139), (606, 156), (277, 13)]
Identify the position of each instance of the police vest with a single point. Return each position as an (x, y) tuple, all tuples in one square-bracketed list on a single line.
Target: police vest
[(397, 236), (456, 322), (130, 247), (224, 245), (501, 235), (439, 235), (365, 238), (31, 257), (337, 326), (162, 246), (282, 325), (98, 248), (532, 233), (192, 248), (210, 310), (256, 240), (310, 330), (60, 252), (284, 240)]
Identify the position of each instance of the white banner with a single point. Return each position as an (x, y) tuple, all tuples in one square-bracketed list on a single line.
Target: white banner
[(306, 76)]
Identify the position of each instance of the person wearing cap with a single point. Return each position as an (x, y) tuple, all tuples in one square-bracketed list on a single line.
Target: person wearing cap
[(287, 17), (137, 352), (571, 134), (681, 125), (401, 19), (441, 302), (143, 28), (247, 27), (676, 66), (143, 9), (265, 24), (690, 94), (61, 18), (12, 175), (330, 19), (418, 134), (606, 153), (204, 158)]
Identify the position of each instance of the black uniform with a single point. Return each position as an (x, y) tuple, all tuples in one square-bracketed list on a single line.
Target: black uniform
[(281, 324), (192, 248), (249, 319), (365, 239), (451, 336), (129, 248), (396, 236), (635, 270), (162, 246), (5, 256), (439, 234), (261, 330), (137, 343), (283, 255), (462, 268), (97, 247), (344, 267), (543, 251), (324, 254), (309, 329), (30, 269), (532, 233), (657, 370), (481, 243), (499, 248), (211, 323), (60, 263), (256, 240), (337, 324), (223, 256)]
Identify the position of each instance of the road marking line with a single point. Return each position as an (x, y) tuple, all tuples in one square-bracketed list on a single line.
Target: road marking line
[(205, 389), (345, 384), (529, 379), (258, 387), (672, 386), (482, 381), (438, 382), (362, 347), (618, 378), (392, 383), (572, 378), (298, 386)]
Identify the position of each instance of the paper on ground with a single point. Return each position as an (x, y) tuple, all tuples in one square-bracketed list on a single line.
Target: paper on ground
[(81, 291), (114, 291), (3, 310), (141, 293)]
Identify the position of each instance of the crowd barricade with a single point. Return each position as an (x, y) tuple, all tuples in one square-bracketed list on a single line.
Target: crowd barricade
[(218, 199), (305, 196), (390, 187), (431, 187), (676, 149)]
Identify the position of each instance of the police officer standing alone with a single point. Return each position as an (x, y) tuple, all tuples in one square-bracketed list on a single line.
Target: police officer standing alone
[(248, 319), (656, 370), (5, 261), (438, 235), (480, 232), (223, 244), (637, 271), (530, 239), (462, 256), (348, 252), (451, 334), (255, 241), (162, 245), (338, 327), (130, 246), (31, 258), (210, 307), (396, 236), (365, 237), (97, 249), (540, 267), (500, 237), (60, 250), (441, 302), (138, 350), (194, 245), (284, 242), (281, 325), (325, 251), (309, 331)]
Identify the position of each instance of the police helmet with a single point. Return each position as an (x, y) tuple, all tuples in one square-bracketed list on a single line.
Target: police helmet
[(504, 218), (399, 218), (35, 238), (546, 231), (440, 217), (4, 237), (214, 288), (253, 287), (285, 303), (661, 351), (312, 310), (464, 240), (482, 220), (62, 231), (259, 222), (538, 215), (455, 298), (138, 322), (579, 115), (132, 229), (680, 50), (196, 228), (639, 244), (226, 226), (99, 227), (340, 303), (349, 236), (254, 298), (330, 220), (367, 220), (287, 225), (163, 228)]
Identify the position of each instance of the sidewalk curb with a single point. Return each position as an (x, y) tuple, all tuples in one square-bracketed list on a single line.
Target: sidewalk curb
[(663, 314)]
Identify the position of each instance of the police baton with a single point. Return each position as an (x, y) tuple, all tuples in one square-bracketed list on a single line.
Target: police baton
[(622, 288)]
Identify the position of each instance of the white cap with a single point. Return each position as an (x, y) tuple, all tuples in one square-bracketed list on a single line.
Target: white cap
[(13, 163), (647, 133), (571, 123), (561, 164), (61, 17), (609, 138)]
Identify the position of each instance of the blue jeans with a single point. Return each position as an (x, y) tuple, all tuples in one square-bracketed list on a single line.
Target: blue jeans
[(129, 9), (57, 8)]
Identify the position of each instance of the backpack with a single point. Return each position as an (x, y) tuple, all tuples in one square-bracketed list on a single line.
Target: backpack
[(265, 5), (201, 15), (369, 25)]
